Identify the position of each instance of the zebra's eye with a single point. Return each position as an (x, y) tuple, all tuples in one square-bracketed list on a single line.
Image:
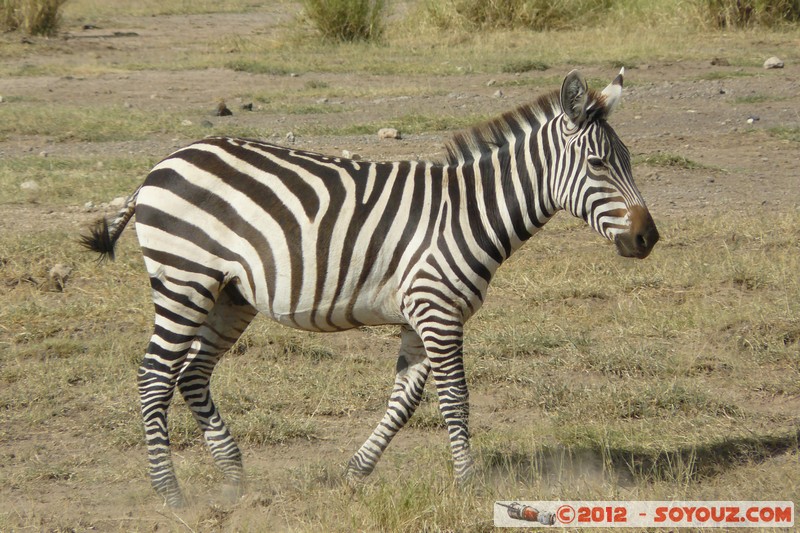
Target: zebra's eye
[(596, 163)]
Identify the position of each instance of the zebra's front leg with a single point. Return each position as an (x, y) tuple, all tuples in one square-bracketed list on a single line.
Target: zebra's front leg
[(444, 347), (409, 383)]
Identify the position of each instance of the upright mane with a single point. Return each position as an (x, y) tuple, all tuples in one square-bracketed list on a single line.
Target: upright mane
[(465, 146)]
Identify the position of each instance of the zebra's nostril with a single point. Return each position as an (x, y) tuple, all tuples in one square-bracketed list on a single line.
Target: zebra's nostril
[(641, 242)]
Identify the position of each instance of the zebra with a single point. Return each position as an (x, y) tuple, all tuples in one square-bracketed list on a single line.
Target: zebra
[(230, 227)]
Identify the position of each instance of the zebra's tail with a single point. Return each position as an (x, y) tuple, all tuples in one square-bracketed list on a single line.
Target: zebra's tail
[(104, 233)]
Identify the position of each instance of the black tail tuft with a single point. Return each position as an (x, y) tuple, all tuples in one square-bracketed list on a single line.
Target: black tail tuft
[(99, 240)]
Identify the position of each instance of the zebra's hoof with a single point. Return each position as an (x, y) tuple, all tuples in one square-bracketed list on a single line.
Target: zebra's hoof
[(354, 479), (175, 501), (465, 478), (231, 493)]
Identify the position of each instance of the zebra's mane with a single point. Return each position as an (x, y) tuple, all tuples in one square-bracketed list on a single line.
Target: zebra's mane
[(464, 146)]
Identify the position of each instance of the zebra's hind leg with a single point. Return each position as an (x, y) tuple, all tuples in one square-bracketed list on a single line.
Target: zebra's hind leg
[(181, 308), (224, 325), (409, 383)]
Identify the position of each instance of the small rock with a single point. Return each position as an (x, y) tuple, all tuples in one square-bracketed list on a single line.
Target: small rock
[(88, 206), (207, 124), (58, 275), (498, 94), (43, 153), (347, 154), (222, 110), (128, 105), (752, 119), (322, 101), (491, 82), (2, 99), (388, 133), (773, 62), (247, 107), (290, 138), (29, 185), (117, 202), (186, 122), (720, 62), (293, 74)]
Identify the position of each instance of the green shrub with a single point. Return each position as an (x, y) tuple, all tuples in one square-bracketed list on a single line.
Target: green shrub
[(346, 20), (746, 13), (533, 14), (34, 17)]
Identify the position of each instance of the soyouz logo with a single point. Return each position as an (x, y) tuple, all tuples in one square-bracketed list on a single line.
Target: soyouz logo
[(669, 514)]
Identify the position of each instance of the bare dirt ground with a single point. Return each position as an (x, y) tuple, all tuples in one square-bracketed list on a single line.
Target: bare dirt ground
[(697, 110), (694, 109)]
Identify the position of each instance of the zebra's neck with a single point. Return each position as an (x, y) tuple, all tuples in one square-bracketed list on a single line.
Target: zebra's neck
[(504, 195)]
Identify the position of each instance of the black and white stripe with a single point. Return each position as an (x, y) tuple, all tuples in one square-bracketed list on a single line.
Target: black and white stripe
[(233, 227)]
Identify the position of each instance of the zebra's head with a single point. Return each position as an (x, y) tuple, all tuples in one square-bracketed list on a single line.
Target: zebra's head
[(595, 181)]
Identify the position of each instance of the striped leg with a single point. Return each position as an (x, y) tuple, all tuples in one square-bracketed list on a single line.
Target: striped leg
[(181, 309), (409, 383), (225, 323), (443, 342)]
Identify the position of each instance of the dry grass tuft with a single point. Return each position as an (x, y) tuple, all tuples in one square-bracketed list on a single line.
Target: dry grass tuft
[(347, 20), (749, 13), (531, 14), (34, 17)]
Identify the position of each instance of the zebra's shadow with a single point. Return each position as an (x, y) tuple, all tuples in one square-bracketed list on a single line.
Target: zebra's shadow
[(628, 466)]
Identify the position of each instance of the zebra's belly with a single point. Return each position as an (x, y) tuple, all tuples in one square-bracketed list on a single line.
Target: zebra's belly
[(366, 310)]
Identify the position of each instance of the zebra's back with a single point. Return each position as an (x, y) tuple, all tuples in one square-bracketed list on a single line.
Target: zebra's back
[(314, 242)]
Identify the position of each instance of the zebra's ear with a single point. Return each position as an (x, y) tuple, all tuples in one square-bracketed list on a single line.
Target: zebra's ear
[(574, 94), (613, 93)]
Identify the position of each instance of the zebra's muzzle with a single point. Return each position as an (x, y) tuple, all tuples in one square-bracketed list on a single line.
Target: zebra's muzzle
[(643, 235)]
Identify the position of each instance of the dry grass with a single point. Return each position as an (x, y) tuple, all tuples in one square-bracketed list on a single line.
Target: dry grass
[(113, 123), (543, 15), (347, 20), (290, 47), (102, 10), (592, 377), (532, 14), (748, 13), (34, 17)]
